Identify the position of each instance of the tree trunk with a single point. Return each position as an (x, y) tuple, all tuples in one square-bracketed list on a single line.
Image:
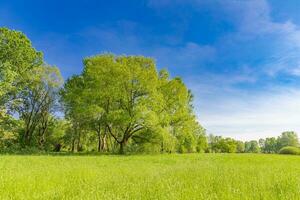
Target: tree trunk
[(78, 144), (104, 145), (121, 148), (99, 142), (73, 145), (99, 136), (25, 138), (107, 140), (162, 147)]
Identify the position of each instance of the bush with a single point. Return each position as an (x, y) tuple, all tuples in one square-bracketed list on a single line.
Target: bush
[(290, 150)]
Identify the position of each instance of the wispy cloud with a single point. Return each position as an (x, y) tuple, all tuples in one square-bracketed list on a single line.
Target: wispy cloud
[(254, 29), (254, 23), (226, 110)]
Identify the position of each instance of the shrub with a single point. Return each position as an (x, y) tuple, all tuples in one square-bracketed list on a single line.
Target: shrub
[(290, 150)]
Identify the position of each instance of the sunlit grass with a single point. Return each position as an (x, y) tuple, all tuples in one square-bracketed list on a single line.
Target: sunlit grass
[(190, 176)]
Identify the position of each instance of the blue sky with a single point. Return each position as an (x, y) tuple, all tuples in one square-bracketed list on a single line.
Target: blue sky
[(240, 58)]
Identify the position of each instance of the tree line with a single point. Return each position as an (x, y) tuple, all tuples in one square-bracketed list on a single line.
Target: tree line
[(218, 144), (117, 104)]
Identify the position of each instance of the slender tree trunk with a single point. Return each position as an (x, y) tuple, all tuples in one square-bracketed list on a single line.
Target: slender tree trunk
[(99, 142), (107, 140), (99, 137), (73, 145), (78, 142), (104, 145), (25, 140)]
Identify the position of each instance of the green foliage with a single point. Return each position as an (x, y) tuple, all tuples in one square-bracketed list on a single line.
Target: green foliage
[(36, 103), (217, 144), (202, 144), (290, 150), (252, 147), (240, 147), (9, 128), (269, 145), (126, 103), (28, 90), (288, 138), (17, 57), (273, 145)]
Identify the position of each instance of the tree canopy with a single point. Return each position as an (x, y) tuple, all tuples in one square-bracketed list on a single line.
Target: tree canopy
[(127, 101)]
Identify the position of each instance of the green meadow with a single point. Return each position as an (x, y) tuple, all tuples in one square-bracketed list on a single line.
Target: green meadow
[(173, 176)]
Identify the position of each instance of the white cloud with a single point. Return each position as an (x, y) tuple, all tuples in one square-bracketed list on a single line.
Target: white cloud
[(247, 114), (253, 21)]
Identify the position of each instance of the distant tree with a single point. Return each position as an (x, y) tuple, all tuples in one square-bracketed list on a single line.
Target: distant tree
[(288, 138), (240, 147), (227, 145), (218, 144), (213, 143), (270, 145), (261, 143), (252, 147)]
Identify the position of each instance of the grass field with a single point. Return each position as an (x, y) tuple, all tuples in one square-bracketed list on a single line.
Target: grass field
[(190, 176)]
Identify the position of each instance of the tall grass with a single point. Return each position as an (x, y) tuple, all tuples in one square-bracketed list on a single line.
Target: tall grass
[(190, 176)]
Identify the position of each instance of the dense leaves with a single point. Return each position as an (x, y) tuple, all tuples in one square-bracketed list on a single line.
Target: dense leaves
[(127, 103)]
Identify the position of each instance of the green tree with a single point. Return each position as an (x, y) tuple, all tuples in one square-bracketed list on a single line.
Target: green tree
[(176, 113), (270, 145), (252, 147), (17, 58), (288, 138), (73, 103), (28, 88), (240, 147), (36, 102), (125, 102), (118, 94)]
